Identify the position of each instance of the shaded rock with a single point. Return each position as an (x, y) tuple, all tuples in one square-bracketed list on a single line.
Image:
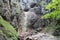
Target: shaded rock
[(9, 10), (57, 32)]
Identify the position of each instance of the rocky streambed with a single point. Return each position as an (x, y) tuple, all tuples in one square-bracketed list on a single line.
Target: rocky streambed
[(38, 36)]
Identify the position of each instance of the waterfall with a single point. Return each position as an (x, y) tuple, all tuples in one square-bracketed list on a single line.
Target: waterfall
[(24, 21)]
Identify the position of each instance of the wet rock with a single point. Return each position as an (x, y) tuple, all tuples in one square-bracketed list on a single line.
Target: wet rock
[(41, 36)]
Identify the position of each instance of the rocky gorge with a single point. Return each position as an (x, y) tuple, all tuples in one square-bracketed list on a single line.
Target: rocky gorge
[(22, 20)]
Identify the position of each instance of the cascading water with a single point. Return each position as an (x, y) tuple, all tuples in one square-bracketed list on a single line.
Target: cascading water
[(23, 24), (24, 21)]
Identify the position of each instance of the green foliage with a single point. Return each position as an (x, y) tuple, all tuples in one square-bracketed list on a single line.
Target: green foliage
[(53, 4), (55, 14), (8, 30), (47, 16)]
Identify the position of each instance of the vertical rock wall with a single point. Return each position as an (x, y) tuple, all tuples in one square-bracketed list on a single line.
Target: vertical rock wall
[(9, 9)]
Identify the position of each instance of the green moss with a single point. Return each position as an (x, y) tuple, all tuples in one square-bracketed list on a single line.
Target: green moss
[(8, 30)]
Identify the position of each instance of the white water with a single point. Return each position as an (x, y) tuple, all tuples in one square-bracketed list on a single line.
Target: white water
[(25, 21)]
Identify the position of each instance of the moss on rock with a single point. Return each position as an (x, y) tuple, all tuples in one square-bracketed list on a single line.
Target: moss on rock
[(8, 30)]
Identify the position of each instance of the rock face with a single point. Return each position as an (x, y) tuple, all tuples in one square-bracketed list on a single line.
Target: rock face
[(9, 10), (41, 3)]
